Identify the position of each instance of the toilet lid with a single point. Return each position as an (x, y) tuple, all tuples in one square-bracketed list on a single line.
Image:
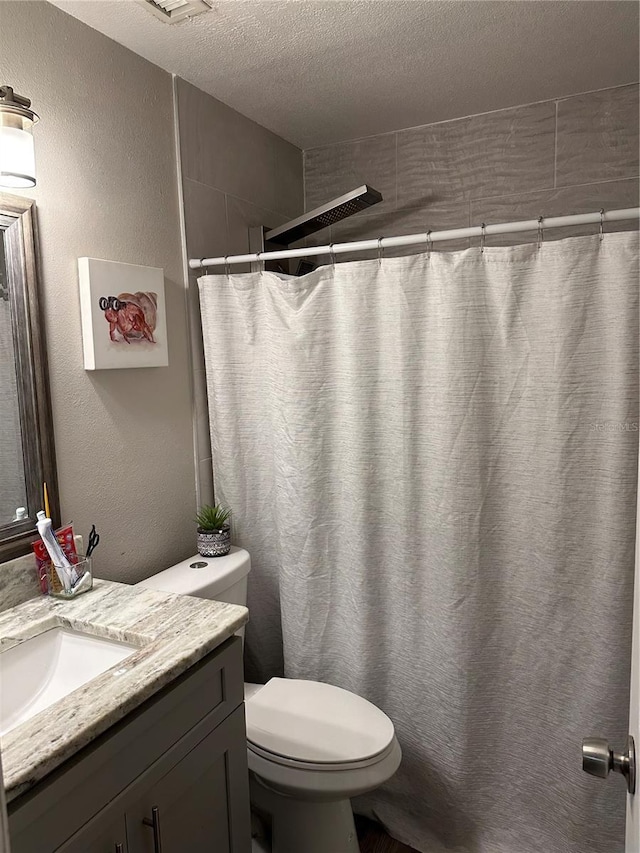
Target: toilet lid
[(317, 723)]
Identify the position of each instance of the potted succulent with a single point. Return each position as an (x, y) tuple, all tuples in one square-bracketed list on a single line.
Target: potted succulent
[(214, 532)]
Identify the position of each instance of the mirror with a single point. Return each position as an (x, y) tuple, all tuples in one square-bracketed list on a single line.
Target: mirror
[(27, 458)]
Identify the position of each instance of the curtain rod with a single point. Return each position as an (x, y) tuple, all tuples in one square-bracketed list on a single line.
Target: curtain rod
[(423, 239)]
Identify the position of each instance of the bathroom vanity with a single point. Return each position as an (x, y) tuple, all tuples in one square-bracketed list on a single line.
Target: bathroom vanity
[(150, 755)]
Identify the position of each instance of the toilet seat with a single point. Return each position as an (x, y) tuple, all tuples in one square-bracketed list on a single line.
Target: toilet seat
[(315, 726), (323, 782), (325, 767)]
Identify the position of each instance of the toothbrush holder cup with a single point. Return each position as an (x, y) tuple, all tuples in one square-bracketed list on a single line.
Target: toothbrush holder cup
[(70, 583)]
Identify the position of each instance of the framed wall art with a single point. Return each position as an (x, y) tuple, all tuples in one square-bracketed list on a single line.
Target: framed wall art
[(124, 322)]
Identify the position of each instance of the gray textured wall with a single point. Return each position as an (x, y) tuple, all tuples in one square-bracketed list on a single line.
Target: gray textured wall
[(573, 155), (107, 188), (235, 174)]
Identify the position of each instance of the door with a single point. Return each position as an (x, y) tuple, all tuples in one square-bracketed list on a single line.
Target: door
[(633, 800), (598, 758), (202, 803)]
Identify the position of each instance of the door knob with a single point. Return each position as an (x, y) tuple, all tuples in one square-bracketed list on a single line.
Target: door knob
[(599, 759)]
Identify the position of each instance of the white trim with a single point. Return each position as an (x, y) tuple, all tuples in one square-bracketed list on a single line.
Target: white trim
[(185, 273)]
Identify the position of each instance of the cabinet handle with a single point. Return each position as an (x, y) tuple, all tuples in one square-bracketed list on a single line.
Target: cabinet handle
[(154, 823), (119, 848)]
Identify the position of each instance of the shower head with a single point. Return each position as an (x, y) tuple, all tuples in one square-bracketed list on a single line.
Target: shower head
[(328, 214)]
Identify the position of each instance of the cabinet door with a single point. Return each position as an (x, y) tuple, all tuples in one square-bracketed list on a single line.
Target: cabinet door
[(98, 836), (202, 804)]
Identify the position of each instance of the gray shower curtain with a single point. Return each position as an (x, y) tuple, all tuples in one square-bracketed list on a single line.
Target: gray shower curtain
[(432, 461)]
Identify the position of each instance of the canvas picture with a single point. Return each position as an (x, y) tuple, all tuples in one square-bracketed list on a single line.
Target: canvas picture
[(124, 320)]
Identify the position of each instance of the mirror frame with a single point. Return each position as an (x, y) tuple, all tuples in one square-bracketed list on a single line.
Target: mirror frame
[(18, 226)]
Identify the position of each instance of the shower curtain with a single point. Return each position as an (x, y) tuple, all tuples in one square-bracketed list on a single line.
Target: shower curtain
[(432, 461)]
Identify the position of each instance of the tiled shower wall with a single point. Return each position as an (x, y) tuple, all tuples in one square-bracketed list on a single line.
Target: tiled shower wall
[(235, 174), (573, 155)]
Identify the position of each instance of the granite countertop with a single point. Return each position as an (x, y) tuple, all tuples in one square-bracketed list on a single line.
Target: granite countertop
[(173, 632)]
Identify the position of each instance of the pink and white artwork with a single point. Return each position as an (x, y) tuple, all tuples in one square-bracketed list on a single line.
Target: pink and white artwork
[(124, 320)]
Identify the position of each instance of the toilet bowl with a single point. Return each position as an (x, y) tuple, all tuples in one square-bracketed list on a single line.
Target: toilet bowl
[(310, 746)]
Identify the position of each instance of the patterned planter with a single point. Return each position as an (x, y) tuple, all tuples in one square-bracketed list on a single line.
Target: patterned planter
[(214, 543)]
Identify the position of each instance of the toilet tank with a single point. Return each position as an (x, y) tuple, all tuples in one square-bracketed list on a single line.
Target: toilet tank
[(215, 578)]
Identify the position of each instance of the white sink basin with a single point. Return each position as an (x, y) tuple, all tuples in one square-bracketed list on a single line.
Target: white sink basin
[(46, 668)]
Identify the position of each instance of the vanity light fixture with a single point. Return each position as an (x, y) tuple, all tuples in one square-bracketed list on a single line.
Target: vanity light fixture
[(17, 155)]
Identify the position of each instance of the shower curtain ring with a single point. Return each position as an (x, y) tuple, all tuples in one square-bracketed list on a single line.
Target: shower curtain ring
[(258, 261), (429, 243), (332, 254), (483, 236), (601, 223), (226, 265), (380, 251), (540, 232)]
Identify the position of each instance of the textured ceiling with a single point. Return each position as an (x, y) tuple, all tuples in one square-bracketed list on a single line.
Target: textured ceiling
[(317, 72)]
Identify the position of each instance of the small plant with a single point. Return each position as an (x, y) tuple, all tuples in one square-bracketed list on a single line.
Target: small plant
[(214, 533), (212, 518)]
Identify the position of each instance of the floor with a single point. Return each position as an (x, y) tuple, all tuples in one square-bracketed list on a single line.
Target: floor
[(371, 837)]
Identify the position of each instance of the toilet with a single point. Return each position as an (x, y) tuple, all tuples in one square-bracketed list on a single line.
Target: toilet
[(310, 746)]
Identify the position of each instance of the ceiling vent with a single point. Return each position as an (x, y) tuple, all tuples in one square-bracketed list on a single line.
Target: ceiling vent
[(172, 11)]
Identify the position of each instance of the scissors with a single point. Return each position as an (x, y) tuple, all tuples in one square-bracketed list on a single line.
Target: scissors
[(94, 540)]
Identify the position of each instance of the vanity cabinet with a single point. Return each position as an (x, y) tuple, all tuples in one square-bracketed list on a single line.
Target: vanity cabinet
[(100, 839), (190, 801), (171, 777)]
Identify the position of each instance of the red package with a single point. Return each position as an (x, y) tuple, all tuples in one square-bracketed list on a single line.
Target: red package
[(66, 541)]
